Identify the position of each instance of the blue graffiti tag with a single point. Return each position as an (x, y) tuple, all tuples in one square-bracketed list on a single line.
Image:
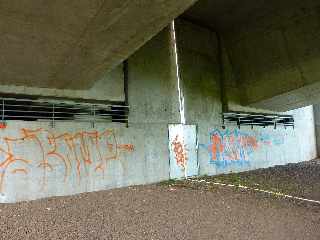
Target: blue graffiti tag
[(235, 146)]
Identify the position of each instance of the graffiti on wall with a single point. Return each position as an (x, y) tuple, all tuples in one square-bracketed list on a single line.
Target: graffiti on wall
[(180, 152), (235, 146), (74, 153)]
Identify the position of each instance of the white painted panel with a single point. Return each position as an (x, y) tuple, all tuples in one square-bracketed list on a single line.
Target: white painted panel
[(183, 151)]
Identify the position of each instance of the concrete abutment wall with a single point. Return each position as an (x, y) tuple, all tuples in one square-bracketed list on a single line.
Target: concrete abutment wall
[(39, 161)]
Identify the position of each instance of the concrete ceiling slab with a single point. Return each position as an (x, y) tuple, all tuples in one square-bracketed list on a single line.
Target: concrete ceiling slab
[(69, 44), (272, 47), (228, 15)]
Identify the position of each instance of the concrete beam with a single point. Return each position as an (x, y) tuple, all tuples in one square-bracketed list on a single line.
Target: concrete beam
[(71, 44)]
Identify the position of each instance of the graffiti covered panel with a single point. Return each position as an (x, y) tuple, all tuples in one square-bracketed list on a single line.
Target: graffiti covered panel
[(234, 146), (69, 157), (183, 152)]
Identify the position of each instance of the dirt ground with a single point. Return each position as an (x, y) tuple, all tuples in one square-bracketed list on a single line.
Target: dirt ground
[(176, 210)]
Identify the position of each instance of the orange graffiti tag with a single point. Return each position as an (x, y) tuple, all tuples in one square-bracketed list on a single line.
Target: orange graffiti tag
[(22, 170), (75, 152), (127, 147), (180, 152)]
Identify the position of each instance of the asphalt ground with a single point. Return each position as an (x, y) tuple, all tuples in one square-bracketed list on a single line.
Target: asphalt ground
[(178, 210)]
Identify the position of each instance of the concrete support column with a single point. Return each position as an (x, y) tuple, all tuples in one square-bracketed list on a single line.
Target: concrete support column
[(154, 102), (316, 110)]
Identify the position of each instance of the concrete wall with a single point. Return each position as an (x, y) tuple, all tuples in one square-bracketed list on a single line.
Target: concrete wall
[(236, 150), (38, 161), (153, 100)]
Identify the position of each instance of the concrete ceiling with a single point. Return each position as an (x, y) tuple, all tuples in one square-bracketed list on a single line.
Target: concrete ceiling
[(272, 47), (226, 15), (69, 44)]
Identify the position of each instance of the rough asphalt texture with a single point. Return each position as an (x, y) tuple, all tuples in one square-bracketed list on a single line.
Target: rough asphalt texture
[(301, 180), (163, 212)]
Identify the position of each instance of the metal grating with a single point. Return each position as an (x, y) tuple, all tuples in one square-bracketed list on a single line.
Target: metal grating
[(53, 110), (258, 119)]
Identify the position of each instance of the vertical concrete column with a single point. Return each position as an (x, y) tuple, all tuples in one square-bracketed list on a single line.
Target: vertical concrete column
[(316, 111), (154, 102), (153, 96), (200, 72)]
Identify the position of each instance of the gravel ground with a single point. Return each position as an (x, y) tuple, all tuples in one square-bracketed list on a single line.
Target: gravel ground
[(301, 180), (165, 211)]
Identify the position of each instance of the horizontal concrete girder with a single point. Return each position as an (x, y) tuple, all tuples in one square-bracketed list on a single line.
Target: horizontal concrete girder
[(70, 44)]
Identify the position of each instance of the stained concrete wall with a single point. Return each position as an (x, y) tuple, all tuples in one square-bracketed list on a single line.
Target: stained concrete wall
[(237, 150), (37, 161), (317, 125), (234, 150), (153, 100)]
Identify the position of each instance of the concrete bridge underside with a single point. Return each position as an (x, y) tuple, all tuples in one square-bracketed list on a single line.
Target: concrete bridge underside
[(270, 49), (70, 44), (273, 48), (192, 73)]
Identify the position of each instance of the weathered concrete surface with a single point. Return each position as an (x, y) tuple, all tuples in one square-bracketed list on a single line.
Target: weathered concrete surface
[(316, 109), (200, 74), (273, 47), (108, 88), (37, 161), (270, 49), (74, 157), (72, 44), (201, 79), (153, 100)]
